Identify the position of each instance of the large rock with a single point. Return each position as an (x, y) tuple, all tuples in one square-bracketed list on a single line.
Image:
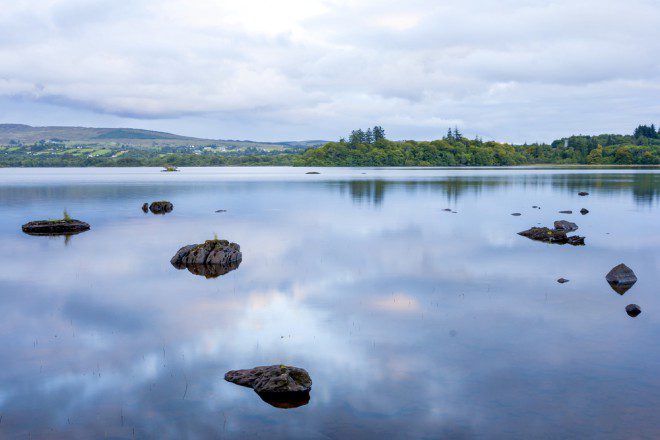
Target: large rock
[(548, 235), (210, 259), (161, 207), (566, 226), (621, 278), (272, 379), (55, 227), (584, 211)]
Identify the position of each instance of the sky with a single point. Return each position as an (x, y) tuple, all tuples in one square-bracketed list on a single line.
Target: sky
[(515, 71)]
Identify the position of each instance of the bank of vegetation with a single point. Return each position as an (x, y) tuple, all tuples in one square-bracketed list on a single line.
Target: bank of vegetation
[(365, 148)]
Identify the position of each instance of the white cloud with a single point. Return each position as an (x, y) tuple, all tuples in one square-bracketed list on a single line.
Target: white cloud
[(512, 70)]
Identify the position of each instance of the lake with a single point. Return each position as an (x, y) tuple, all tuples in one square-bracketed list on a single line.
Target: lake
[(413, 322)]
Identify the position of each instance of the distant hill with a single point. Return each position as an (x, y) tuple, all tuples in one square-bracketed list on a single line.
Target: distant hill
[(26, 134)]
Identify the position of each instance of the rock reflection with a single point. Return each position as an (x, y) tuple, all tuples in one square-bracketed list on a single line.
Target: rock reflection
[(208, 270), (285, 400)]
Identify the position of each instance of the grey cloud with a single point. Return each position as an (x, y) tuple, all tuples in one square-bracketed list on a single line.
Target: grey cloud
[(415, 67)]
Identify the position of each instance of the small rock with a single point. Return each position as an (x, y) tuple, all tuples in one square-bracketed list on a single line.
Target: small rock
[(633, 310), (312, 172), (279, 385), (566, 212), (447, 209), (552, 236), (565, 226), (584, 211), (161, 207), (562, 280), (583, 193), (516, 214), (55, 227), (621, 278), (534, 206), (145, 207), (221, 210)]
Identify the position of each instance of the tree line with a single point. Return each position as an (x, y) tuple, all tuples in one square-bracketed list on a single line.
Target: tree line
[(370, 147)]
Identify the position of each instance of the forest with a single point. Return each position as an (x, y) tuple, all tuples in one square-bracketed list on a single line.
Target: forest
[(362, 148)]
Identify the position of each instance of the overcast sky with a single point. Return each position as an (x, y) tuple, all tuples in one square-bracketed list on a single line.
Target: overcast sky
[(315, 69)]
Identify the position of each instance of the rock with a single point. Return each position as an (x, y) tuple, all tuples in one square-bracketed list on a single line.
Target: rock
[(272, 379), (145, 207), (583, 193), (312, 172), (621, 278), (584, 211), (536, 207), (55, 227), (565, 226), (566, 212), (562, 280), (279, 385), (161, 207), (447, 209), (552, 236), (221, 210), (210, 259), (516, 214), (633, 310)]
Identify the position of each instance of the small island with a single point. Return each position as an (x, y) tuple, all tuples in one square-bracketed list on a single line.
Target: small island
[(64, 226)]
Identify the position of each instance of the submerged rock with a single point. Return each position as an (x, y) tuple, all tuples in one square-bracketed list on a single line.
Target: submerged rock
[(517, 214), (566, 212), (633, 310), (221, 210), (552, 236), (583, 193), (312, 172), (279, 385), (584, 211), (621, 278), (562, 280), (55, 227), (447, 209), (161, 207), (210, 259), (566, 226), (145, 207)]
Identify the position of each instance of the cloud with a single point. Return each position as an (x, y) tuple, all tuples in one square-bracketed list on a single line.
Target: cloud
[(513, 70)]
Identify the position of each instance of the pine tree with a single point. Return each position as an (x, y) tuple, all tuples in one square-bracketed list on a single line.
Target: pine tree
[(450, 135), (379, 133), (368, 136), (457, 134)]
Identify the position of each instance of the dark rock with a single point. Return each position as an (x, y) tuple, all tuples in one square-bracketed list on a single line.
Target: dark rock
[(161, 207), (562, 280), (447, 209), (55, 227), (312, 172), (566, 212), (536, 207), (221, 210), (279, 385), (552, 236), (621, 278), (633, 310), (210, 259), (583, 193), (584, 211), (145, 207), (565, 226), (517, 214)]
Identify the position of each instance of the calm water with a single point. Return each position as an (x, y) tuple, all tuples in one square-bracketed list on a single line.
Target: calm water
[(413, 322)]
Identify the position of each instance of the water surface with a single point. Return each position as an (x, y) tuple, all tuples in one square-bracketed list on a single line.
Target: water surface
[(413, 322)]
